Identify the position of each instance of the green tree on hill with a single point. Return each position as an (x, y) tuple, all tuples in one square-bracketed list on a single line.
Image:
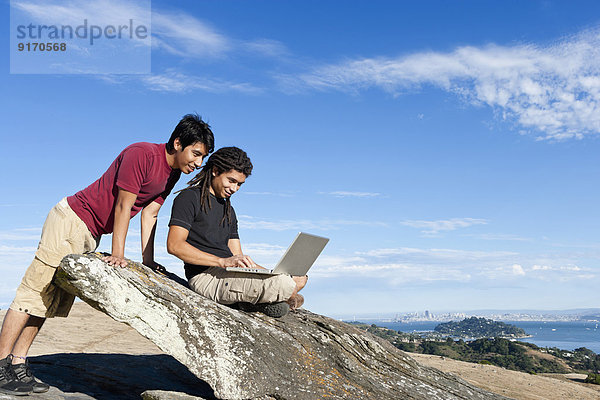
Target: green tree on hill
[(479, 327)]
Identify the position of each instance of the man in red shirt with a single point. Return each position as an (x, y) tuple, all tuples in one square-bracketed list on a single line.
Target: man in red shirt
[(139, 179)]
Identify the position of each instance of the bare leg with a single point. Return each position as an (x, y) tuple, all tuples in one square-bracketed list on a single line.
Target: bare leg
[(296, 300), (12, 327), (300, 282), (26, 338)]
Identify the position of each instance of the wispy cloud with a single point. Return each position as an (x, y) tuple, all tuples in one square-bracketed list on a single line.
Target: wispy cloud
[(342, 193), (499, 236), (178, 82), (517, 270), (266, 47), (74, 12), (263, 249), (395, 274), (432, 228), (174, 81), (561, 271), (17, 235), (250, 222), (280, 194), (438, 254), (553, 90), (561, 268), (173, 31), (17, 249), (186, 36), (398, 266)]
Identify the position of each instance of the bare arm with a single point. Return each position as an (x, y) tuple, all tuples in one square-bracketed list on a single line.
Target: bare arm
[(235, 246), (177, 246), (125, 201), (148, 219)]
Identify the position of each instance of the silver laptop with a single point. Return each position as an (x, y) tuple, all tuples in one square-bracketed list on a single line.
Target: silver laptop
[(296, 260)]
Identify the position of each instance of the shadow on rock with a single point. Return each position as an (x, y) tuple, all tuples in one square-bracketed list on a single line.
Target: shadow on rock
[(117, 376)]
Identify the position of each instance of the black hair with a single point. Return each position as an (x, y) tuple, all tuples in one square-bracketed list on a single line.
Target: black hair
[(191, 129), (223, 160)]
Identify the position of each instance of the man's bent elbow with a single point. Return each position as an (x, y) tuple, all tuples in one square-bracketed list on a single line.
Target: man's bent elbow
[(172, 248)]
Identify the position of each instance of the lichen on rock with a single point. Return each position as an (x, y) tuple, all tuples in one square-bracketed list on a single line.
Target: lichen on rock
[(241, 355)]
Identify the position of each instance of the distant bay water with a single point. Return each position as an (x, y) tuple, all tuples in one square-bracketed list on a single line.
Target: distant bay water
[(564, 335)]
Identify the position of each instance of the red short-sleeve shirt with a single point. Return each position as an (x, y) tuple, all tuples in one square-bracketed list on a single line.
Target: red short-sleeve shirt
[(142, 169)]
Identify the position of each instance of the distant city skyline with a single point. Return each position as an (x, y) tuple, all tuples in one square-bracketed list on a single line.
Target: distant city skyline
[(449, 150), (498, 315)]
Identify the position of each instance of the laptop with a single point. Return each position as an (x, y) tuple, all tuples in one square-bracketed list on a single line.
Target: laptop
[(297, 259)]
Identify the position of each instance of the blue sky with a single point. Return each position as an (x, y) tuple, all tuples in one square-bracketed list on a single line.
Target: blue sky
[(448, 149)]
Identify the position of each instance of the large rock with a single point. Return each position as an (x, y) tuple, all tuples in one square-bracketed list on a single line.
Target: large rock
[(248, 356)]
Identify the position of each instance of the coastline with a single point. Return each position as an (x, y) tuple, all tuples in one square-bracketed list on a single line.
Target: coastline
[(566, 336)]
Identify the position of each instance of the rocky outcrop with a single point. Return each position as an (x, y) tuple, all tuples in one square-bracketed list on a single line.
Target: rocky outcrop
[(249, 356)]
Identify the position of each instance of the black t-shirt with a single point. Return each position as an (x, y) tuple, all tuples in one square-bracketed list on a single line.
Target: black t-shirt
[(207, 233)]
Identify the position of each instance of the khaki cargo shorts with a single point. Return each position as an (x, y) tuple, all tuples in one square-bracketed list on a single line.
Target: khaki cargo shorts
[(63, 233), (228, 287)]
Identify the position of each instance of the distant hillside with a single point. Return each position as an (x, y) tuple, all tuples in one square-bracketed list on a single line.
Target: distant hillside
[(479, 328), (518, 356), (591, 317)]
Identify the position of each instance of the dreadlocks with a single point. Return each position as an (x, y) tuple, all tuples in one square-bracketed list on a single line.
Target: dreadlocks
[(223, 160)]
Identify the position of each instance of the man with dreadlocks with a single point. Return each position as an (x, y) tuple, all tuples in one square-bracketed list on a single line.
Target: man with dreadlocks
[(203, 234), (139, 179)]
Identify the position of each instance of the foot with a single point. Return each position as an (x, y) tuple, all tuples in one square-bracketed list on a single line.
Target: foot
[(24, 375), (295, 301), (275, 310), (9, 383)]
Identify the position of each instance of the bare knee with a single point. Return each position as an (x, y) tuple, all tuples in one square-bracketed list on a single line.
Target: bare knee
[(300, 282)]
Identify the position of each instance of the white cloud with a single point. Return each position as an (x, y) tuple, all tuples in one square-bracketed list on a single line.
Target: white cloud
[(395, 274), (266, 47), (518, 270), (437, 254), (37, 230), (263, 250), (249, 222), (186, 36), (573, 268), (559, 272), (267, 194), (74, 12), (398, 266), (17, 249), (175, 32), (177, 82), (19, 236), (553, 90), (433, 228), (342, 193), (499, 236)]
